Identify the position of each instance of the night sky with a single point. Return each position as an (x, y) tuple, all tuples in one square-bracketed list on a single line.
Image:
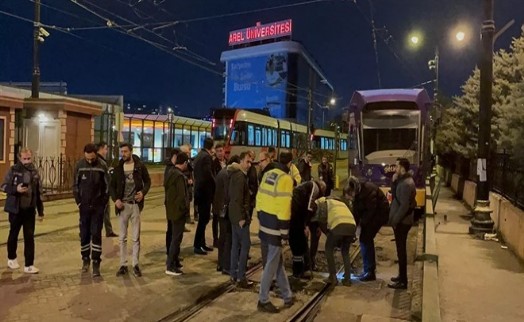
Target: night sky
[(336, 33)]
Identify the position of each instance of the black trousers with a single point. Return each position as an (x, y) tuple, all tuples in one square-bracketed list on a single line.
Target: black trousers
[(315, 238), (224, 244), (367, 248), (204, 212), (215, 226), (91, 222), (169, 235), (24, 219), (401, 237), (107, 220), (177, 229)]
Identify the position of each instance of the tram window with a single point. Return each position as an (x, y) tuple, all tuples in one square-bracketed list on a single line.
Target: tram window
[(238, 135), (269, 137), (258, 136), (264, 136), (250, 135), (275, 138)]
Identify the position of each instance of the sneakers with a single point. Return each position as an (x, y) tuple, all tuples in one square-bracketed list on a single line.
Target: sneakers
[(137, 271), (367, 277), (266, 307), (178, 265), (174, 271), (31, 270), (85, 265), (200, 251), (96, 269), (244, 283), (207, 249), (13, 264), (122, 271)]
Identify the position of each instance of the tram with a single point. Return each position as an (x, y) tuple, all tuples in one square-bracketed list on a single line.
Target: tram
[(241, 130), (387, 124)]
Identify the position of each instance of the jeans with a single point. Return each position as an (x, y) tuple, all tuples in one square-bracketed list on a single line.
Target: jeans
[(367, 248), (224, 244), (26, 219), (274, 266), (129, 213), (331, 242), (91, 222), (204, 211), (401, 236), (241, 242), (177, 229)]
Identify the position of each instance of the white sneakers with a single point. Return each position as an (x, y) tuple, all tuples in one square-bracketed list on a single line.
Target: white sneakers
[(13, 264), (31, 270)]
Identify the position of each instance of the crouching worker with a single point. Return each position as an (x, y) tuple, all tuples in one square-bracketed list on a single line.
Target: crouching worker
[(337, 222)]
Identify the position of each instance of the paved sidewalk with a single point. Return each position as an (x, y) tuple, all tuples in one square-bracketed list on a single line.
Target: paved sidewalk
[(478, 280)]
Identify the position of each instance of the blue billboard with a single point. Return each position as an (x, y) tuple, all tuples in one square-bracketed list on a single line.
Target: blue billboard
[(258, 82)]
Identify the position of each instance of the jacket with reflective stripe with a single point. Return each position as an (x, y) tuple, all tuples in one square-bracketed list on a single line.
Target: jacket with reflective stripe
[(273, 205)]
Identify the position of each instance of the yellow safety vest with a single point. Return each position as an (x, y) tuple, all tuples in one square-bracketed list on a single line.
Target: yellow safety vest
[(337, 213), (273, 204), (293, 171)]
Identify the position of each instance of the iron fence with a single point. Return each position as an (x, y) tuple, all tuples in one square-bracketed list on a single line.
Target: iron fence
[(57, 173)]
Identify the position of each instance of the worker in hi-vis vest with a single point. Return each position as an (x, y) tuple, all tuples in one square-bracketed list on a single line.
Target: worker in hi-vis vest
[(337, 222)]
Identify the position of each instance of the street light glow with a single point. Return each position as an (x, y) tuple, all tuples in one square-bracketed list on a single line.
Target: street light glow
[(460, 36), (414, 40), (332, 101)]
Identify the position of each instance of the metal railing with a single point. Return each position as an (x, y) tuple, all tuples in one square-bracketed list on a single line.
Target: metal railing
[(57, 173)]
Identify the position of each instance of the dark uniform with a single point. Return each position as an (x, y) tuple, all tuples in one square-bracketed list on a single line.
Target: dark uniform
[(91, 191), (302, 209)]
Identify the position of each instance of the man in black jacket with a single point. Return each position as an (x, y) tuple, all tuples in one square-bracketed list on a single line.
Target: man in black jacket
[(23, 188), (204, 193), (371, 211), (129, 186), (219, 163), (170, 164), (177, 206), (102, 154), (238, 211), (304, 166), (302, 208), (220, 205), (91, 195)]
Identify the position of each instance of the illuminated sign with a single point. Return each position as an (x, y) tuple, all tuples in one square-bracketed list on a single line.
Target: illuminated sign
[(261, 32)]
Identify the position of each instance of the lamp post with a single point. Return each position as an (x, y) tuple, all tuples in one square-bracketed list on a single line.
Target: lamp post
[(35, 83), (482, 222)]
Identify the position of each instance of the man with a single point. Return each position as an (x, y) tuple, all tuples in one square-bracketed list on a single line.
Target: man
[(304, 166), (371, 210), (401, 219), (302, 208), (219, 163), (102, 154), (220, 203), (272, 153), (204, 193), (176, 210), (274, 212), (337, 222), (23, 188), (129, 186), (170, 164), (91, 195), (252, 182), (264, 164), (186, 148), (238, 211), (325, 173)]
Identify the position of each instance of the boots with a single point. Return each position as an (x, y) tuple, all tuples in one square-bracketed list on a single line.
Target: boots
[(96, 268), (85, 265)]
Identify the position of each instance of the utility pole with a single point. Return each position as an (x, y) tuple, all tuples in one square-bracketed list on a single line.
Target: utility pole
[(309, 109), (35, 84), (481, 222)]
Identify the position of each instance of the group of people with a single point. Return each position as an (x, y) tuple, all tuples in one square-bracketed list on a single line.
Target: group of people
[(290, 206)]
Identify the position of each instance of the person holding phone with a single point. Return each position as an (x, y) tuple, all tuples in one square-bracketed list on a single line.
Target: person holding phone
[(23, 187), (238, 211)]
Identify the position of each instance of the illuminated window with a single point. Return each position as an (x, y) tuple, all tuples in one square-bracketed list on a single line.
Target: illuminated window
[(250, 135), (258, 136)]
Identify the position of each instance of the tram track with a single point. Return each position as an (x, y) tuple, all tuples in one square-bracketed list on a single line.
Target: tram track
[(310, 309)]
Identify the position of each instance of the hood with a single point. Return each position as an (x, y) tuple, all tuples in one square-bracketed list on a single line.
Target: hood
[(234, 167)]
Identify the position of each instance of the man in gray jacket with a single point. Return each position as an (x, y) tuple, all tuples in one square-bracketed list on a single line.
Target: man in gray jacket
[(401, 218), (238, 211)]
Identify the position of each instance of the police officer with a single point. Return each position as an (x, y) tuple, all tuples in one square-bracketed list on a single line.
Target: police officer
[(273, 204), (337, 222), (302, 208), (91, 193), (24, 197)]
